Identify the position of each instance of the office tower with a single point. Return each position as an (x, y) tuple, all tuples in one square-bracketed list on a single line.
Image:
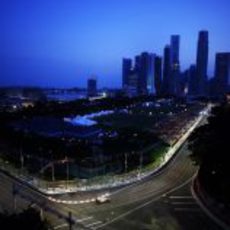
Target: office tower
[(132, 88), (166, 71), (126, 70), (175, 49), (175, 65), (158, 75), (136, 70), (151, 75), (145, 70), (92, 87), (192, 81), (142, 68), (137, 63), (129, 77), (222, 73), (202, 63)]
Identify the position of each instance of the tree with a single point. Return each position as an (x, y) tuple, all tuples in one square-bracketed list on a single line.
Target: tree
[(26, 220), (210, 149)]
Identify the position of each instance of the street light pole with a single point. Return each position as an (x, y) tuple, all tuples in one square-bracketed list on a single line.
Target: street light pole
[(14, 192), (21, 160), (126, 163), (67, 172), (141, 163), (53, 177), (42, 214), (52, 165)]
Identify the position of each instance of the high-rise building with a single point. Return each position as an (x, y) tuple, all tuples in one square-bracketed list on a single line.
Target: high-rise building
[(202, 63), (175, 49), (126, 70), (92, 87), (171, 69), (175, 65), (166, 71), (142, 68), (132, 88), (222, 73), (129, 77), (158, 75), (151, 75), (145, 70), (137, 63)]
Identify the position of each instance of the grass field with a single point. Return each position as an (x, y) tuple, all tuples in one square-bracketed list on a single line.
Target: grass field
[(125, 120), (141, 119)]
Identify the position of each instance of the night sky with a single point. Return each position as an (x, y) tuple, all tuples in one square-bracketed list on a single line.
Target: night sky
[(62, 42)]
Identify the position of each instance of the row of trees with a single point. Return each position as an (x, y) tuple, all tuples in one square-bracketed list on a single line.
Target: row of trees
[(79, 107), (210, 149), (26, 220)]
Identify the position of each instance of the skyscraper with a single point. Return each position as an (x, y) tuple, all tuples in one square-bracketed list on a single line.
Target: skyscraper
[(175, 49), (142, 68), (158, 75), (166, 71), (202, 63), (132, 88), (92, 87), (171, 70), (151, 74), (126, 70), (175, 65), (222, 73)]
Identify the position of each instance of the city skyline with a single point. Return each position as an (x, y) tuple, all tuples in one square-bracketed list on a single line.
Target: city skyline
[(58, 44)]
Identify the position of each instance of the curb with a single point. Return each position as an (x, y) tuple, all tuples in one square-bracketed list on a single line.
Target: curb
[(204, 207)]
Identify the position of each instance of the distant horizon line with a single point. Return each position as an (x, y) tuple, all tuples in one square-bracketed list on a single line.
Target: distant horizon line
[(53, 87)]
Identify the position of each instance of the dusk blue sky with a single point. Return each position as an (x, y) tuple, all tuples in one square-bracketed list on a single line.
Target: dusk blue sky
[(62, 42)]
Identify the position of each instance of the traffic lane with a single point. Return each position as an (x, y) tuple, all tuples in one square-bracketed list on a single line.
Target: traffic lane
[(179, 159), (171, 178), (175, 211), (116, 209)]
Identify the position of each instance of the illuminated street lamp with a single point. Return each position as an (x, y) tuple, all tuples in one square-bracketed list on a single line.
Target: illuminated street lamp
[(126, 162), (141, 164), (21, 160), (66, 161), (53, 177)]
